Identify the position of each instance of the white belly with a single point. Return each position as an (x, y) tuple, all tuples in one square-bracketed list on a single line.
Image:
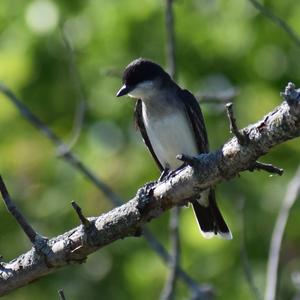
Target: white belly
[(169, 136)]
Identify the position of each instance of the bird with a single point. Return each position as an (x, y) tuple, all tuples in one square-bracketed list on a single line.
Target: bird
[(171, 123)]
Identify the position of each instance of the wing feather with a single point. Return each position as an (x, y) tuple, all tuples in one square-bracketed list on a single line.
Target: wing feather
[(139, 122), (195, 116)]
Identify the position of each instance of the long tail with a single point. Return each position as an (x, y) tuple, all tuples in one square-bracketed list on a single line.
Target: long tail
[(209, 217)]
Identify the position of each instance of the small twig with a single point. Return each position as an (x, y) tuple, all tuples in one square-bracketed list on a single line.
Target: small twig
[(168, 292), (277, 20), (201, 290), (68, 156), (12, 208), (84, 221), (291, 195), (170, 285), (78, 87), (244, 255), (267, 167), (233, 127), (61, 294), (170, 42)]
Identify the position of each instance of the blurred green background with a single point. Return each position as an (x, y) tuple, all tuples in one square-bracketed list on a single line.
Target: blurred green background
[(220, 44)]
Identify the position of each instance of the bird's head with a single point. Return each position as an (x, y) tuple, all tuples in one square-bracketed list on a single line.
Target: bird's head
[(141, 78)]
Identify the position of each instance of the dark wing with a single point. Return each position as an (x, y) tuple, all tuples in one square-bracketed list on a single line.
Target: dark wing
[(139, 122), (195, 116)]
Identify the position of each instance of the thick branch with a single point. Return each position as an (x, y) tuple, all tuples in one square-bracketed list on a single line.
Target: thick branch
[(73, 246), (65, 153)]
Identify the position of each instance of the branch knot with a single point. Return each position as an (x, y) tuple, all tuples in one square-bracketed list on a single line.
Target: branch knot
[(291, 95)]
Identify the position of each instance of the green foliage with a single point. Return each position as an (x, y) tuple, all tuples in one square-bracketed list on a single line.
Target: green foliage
[(220, 44)]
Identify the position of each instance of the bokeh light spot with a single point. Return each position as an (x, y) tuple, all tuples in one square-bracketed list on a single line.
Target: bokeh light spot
[(42, 16)]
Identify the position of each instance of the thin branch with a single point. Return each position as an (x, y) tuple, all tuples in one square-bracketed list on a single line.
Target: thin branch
[(168, 292), (68, 156), (169, 288), (268, 168), (292, 193), (61, 294), (78, 86), (169, 19), (202, 290), (12, 208), (84, 221), (244, 255), (277, 21), (233, 127), (71, 158), (280, 125)]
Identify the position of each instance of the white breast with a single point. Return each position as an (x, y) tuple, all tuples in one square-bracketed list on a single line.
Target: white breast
[(170, 135)]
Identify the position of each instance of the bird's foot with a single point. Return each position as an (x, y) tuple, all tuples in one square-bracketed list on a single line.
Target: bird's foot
[(165, 174), (144, 195)]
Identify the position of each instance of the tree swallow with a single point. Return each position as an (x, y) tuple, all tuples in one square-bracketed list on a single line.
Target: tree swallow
[(171, 123)]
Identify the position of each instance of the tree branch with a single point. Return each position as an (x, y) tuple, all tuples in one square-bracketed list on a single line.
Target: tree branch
[(248, 272), (233, 126), (278, 126), (14, 211), (78, 165), (61, 294), (291, 195), (168, 292), (277, 21)]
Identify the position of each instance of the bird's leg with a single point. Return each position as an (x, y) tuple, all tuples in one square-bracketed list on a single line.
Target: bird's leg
[(144, 195), (164, 174)]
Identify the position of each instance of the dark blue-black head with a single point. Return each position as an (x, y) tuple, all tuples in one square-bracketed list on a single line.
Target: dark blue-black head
[(140, 76)]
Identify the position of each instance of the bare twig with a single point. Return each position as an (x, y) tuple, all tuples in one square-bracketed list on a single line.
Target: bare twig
[(169, 288), (68, 156), (12, 208), (277, 21), (84, 221), (267, 167), (61, 294), (171, 51), (233, 127), (280, 125), (168, 292), (200, 290), (71, 158), (78, 86), (292, 193), (244, 255)]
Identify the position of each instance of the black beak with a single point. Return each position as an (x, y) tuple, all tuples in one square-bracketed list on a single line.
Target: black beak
[(124, 90)]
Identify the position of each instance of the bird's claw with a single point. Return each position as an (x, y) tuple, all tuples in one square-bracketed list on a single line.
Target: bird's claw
[(144, 195), (165, 174)]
